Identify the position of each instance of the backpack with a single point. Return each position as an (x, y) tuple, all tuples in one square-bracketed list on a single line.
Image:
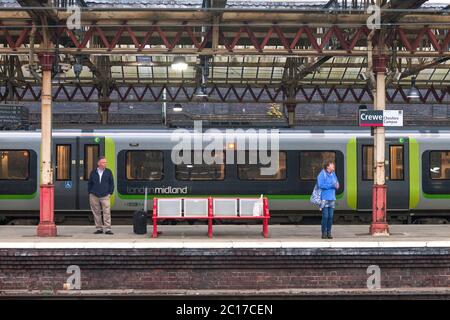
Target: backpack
[(315, 196)]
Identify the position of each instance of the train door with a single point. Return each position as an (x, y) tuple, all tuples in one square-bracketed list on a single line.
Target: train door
[(65, 173), (89, 148), (396, 169), (74, 159)]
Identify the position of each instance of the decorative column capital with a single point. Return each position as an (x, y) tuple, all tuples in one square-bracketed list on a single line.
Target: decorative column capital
[(104, 105), (46, 60), (379, 63), (290, 106)]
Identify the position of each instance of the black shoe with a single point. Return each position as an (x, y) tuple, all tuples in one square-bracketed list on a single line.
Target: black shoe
[(109, 232), (98, 231), (329, 236), (324, 236)]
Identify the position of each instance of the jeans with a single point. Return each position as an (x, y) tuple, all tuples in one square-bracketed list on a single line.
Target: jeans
[(327, 219)]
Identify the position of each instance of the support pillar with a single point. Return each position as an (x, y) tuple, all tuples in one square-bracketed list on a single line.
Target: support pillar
[(379, 224), (104, 111), (46, 227), (290, 106)]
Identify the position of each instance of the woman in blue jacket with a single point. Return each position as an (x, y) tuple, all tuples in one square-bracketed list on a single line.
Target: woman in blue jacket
[(328, 184)]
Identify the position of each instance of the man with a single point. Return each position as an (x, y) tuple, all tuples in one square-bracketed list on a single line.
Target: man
[(100, 188)]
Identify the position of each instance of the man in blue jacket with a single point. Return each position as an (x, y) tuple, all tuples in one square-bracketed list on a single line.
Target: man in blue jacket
[(100, 188), (328, 184)]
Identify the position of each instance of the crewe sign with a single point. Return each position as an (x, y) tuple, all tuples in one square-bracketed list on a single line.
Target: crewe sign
[(380, 118)]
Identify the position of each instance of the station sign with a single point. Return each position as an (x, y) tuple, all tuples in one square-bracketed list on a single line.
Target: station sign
[(380, 118)]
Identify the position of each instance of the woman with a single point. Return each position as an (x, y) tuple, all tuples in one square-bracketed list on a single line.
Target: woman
[(328, 184)]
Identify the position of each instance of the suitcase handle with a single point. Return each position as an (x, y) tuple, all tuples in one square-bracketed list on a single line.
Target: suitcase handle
[(145, 200)]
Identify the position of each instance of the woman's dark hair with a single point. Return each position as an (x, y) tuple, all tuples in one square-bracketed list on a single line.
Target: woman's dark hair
[(327, 163)]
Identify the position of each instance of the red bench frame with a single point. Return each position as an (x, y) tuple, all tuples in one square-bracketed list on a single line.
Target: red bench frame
[(265, 217)]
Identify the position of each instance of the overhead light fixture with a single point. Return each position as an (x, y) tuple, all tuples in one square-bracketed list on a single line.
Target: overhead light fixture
[(179, 63), (413, 93), (203, 67), (77, 68), (177, 108)]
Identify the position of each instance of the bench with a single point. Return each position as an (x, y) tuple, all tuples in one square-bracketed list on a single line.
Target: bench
[(211, 209)]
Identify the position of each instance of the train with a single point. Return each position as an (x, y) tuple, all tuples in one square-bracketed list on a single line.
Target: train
[(417, 170)]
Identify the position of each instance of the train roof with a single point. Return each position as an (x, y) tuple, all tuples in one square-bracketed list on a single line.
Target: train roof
[(303, 130)]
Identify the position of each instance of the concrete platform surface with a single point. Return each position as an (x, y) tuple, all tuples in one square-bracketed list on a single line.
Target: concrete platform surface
[(228, 236)]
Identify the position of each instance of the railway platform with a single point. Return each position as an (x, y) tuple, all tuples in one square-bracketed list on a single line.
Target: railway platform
[(414, 261), (229, 236)]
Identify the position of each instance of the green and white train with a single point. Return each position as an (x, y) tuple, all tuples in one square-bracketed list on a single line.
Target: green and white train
[(417, 171)]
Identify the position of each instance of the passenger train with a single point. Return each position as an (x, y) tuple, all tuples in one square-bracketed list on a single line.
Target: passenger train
[(417, 171)]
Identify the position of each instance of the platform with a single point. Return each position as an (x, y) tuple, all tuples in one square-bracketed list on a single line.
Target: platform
[(228, 236), (183, 262)]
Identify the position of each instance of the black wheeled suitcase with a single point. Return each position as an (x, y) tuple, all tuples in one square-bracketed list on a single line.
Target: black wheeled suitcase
[(140, 218), (140, 222)]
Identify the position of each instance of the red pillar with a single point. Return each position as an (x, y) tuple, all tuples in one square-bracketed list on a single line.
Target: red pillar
[(265, 231), (210, 217), (46, 227), (154, 218), (379, 224)]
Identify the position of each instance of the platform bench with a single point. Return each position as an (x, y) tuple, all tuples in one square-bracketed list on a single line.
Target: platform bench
[(211, 209)]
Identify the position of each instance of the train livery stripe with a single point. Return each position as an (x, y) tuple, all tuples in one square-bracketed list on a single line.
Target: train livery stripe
[(110, 153), (18, 196), (436, 196), (414, 171), (351, 182), (270, 196)]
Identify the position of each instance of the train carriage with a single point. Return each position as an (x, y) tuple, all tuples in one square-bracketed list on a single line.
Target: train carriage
[(417, 171)]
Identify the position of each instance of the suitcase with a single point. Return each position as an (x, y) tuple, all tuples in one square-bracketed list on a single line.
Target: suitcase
[(140, 218), (140, 222)]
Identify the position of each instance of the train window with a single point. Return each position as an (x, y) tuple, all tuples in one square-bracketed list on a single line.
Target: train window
[(14, 164), (203, 171), (253, 171), (396, 163), (63, 162), (144, 165), (311, 163), (91, 155), (367, 163), (440, 165)]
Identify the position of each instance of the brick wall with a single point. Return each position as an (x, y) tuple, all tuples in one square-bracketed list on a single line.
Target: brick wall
[(243, 269)]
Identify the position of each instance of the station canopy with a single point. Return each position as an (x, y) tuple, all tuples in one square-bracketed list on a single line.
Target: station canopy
[(246, 58)]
